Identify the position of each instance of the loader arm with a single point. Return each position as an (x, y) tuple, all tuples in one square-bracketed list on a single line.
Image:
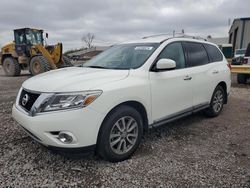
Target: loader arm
[(54, 57)]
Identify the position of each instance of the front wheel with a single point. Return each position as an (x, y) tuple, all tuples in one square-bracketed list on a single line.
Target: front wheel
[(217, 101), (39, 64), (120, 134)]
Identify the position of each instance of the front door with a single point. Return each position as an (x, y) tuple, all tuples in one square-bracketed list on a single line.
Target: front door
[(171, 90)]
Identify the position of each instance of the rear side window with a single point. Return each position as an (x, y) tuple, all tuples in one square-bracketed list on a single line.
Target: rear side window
[(213, 53), (196, 54)]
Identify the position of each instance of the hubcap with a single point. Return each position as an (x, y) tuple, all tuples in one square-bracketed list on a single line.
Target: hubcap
[(123, 135), (36, 67), (8, 65), (218, 101)]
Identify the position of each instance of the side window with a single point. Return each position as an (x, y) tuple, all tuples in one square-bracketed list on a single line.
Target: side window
[(196, 53), (174, 51), (213, 53)]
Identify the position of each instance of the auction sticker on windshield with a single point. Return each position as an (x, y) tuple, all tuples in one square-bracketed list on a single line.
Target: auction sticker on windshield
[(143, 48)]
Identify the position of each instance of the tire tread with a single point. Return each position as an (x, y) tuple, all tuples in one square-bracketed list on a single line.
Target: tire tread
[(16, 69)]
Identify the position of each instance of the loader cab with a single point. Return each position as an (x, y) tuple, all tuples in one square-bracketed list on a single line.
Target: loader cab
[(26, 38)]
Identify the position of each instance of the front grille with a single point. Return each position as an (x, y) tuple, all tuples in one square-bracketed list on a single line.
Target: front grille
[(27, 99)]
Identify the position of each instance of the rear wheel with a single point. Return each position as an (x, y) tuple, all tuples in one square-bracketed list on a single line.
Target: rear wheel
[(121, 134), (11, 67), (241, 78), (39, 64), (217, 101)]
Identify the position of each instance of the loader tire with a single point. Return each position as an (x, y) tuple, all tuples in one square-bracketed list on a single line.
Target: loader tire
[(11, 67), (39, 64), (67, 62), (241, 78)]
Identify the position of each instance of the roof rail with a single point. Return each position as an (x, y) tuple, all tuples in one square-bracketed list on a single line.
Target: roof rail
[(193, 37), (175, 35), (163, 34)]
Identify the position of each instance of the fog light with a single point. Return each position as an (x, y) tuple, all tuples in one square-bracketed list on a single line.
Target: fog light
[(66, 137)]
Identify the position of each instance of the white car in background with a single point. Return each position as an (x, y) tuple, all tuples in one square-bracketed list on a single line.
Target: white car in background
[(239, 53), (238, 56), (106, 105)]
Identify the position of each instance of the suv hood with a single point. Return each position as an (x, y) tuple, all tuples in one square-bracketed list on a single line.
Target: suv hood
[(73, 79)]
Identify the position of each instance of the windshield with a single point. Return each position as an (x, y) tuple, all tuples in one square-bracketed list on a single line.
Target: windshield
[(125, 56), (19, 37), (240, 52), (34, 37)]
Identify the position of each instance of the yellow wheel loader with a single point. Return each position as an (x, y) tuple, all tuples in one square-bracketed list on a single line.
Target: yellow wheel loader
[(28, 51)]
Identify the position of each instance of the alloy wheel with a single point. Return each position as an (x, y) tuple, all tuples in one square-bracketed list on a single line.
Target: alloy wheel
[(123, 135), (217, 101)]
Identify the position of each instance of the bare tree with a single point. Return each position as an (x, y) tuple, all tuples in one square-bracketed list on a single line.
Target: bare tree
[(88, 39)]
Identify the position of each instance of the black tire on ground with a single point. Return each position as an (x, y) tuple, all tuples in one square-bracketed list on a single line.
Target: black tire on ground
[(127, 119), (217, 102), (67, 61), (11, 67), (38, 64), (241, 78)]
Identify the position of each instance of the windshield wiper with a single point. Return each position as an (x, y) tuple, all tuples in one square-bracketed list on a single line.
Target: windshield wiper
[(96, 66)]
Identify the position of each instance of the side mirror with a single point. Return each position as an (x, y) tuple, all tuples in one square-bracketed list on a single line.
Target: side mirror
[(165, 64), (47, 35)]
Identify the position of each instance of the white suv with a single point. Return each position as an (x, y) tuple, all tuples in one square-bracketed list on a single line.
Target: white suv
[(106, 105)]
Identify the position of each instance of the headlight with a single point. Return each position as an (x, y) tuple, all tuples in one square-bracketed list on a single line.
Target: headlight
[(63, 101)]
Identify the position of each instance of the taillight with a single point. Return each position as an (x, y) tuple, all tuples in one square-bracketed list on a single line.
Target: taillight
[(244, 61), (229, 66)]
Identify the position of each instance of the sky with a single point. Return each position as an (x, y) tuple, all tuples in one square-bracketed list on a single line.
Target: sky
[(115, 21)]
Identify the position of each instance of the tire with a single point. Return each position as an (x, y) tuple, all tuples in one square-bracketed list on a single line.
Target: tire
[(11, 67), (241, 78), (38, 64), (217, 102), (113, 126)]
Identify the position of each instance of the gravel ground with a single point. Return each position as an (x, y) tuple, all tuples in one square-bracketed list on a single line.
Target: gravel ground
[(192, 152)]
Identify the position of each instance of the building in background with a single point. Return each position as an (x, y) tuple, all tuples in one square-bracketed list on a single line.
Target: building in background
[(239, 33)]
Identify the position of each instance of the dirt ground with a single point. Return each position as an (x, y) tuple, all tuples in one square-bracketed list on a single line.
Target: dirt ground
[(191, 152)]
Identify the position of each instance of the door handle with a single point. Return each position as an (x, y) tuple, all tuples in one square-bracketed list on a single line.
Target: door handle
[(187, 78), (215, 72)]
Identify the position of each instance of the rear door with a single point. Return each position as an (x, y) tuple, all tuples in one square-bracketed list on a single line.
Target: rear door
[(171, 90), (203, 73)]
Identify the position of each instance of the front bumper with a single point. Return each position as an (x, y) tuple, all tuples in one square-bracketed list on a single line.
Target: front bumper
[(83, 123)]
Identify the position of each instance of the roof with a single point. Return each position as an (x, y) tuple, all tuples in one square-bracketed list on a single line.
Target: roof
[(239, 19), (153, 39), (27, 28), (161, 39)]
